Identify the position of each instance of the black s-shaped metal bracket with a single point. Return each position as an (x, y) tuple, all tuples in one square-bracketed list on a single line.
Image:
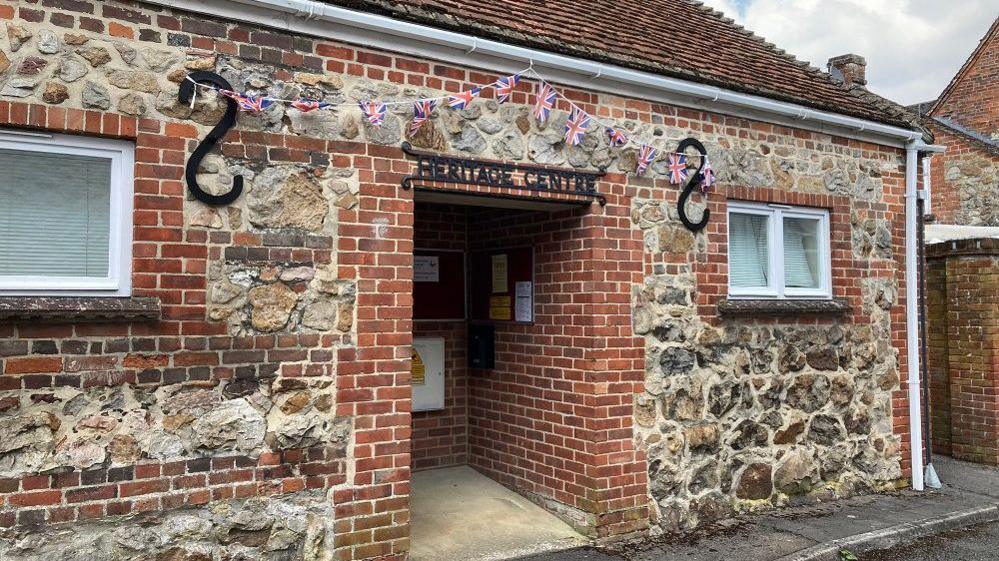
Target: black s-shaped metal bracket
[(214, 137), (692, 183)]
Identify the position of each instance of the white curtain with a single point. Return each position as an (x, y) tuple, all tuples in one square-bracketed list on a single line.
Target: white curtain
[(54, 214), (801, 253), (749, 259)]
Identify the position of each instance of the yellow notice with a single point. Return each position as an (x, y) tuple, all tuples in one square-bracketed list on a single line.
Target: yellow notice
[(500, 273), (499, 307), (418, 370)]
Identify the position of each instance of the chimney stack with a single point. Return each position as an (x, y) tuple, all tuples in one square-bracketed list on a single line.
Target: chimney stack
[(849, 69)]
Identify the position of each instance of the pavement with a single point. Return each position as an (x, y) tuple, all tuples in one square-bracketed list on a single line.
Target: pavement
[(873, 523)]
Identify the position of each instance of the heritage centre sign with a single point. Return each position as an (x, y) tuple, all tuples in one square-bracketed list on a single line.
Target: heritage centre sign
[(440, 168)]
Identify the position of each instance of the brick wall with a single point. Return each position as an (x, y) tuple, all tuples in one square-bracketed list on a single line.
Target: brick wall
[(937, 354), (440, 438), (964, 180), (971, 100), (554, 418), (963, 285)]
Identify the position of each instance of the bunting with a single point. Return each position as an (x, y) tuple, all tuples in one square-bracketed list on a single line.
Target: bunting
[(677, 164), (421, 112), (646, 154), (463, 99), (707, 175), (374, 112), (616, 138), (306, 105), (576, 126), (505, 86), (545, 103), (579, 122)]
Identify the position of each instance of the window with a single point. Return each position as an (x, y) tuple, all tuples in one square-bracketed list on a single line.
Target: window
[(65, 215), (777, 251)]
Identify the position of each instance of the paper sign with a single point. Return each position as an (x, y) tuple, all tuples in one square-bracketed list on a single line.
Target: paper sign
[(426, 268), (499, 307), (418, 370), (525, 302), (500, 273)]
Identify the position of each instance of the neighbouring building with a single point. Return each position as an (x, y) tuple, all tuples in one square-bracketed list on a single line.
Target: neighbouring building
[(962, 265), (182, 380)]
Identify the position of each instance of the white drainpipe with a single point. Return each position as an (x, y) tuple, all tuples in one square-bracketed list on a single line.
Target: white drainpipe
[(376, 31)]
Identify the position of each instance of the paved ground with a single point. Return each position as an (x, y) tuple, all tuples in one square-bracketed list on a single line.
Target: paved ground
[(460, 514), (978, 543), (812, 532)]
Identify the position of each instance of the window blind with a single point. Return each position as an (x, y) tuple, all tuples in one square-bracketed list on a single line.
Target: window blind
[(749, 259), (801, 253), (54, 214)]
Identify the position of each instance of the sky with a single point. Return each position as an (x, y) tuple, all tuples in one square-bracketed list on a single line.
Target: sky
[(913, 47)]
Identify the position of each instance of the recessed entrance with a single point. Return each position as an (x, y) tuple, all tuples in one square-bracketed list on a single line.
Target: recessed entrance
[(522, 441)]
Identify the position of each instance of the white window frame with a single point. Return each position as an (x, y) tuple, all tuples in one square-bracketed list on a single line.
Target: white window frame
[(775, 214), (118, 282)]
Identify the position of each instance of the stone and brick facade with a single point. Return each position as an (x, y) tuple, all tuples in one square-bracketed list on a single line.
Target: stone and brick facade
[(965, 119), (266, 412)]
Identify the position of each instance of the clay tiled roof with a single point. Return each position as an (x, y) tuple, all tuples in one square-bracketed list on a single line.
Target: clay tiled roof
[(678, 38)]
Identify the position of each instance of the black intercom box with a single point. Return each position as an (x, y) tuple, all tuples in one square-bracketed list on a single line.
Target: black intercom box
[(481, 345)]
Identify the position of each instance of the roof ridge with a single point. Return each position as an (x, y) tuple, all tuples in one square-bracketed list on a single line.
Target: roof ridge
[(993, 29)]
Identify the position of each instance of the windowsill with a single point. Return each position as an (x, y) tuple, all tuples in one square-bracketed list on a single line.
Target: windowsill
[(775, 306), (79, 308)]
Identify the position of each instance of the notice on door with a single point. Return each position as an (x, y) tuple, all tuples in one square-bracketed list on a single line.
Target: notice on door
[(500, 273), (426, 268), (418, 370)]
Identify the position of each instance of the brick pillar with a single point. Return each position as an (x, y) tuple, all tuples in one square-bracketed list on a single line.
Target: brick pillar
[(972, 272), (376, 249), (937, 354)]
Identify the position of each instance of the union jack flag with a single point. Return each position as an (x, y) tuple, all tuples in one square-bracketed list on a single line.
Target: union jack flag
[(463, 99), (616, 138), (254, 103), (421, 112), (645, 156), (677, 168), (707, 175), (306, 105), (374, 112), (505, 86), (576, 126), (546, 101)]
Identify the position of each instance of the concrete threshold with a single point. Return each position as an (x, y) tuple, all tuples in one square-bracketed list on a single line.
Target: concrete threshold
[(460, 514)]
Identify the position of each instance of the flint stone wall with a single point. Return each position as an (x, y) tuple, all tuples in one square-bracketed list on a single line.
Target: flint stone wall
[(736, 414)]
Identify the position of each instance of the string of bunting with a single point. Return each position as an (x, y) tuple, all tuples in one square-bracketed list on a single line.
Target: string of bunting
[(577, 125)]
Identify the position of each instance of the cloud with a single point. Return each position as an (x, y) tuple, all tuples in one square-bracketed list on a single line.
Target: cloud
[(913, 47)]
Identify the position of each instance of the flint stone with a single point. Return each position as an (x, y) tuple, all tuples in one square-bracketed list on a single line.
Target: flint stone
[(18, 36), (823, 358), (790, 434), (96, 96), (704, 478), (31, 66), (158, 61), (19, 87), (27, 440), (75, 39), (126, 52), (55, 93), (297, 431), (96, 56), (71, 68), (509, 146), (702, 438), (676, 360), (48, 43), (320, 314), (809, 392), (645, 411), (272, 305), (825, 429), (470, 140), (4, 62), (134, 80), (751, 434), (794, 475), (298, 202), (232, 425), (755, 483)]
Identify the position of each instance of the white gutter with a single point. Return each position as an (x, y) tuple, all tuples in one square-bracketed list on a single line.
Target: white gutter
[(332, 22)]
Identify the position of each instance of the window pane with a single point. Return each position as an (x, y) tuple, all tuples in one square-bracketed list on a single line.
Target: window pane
[(801, 253), (54, 214), (749, 259)]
